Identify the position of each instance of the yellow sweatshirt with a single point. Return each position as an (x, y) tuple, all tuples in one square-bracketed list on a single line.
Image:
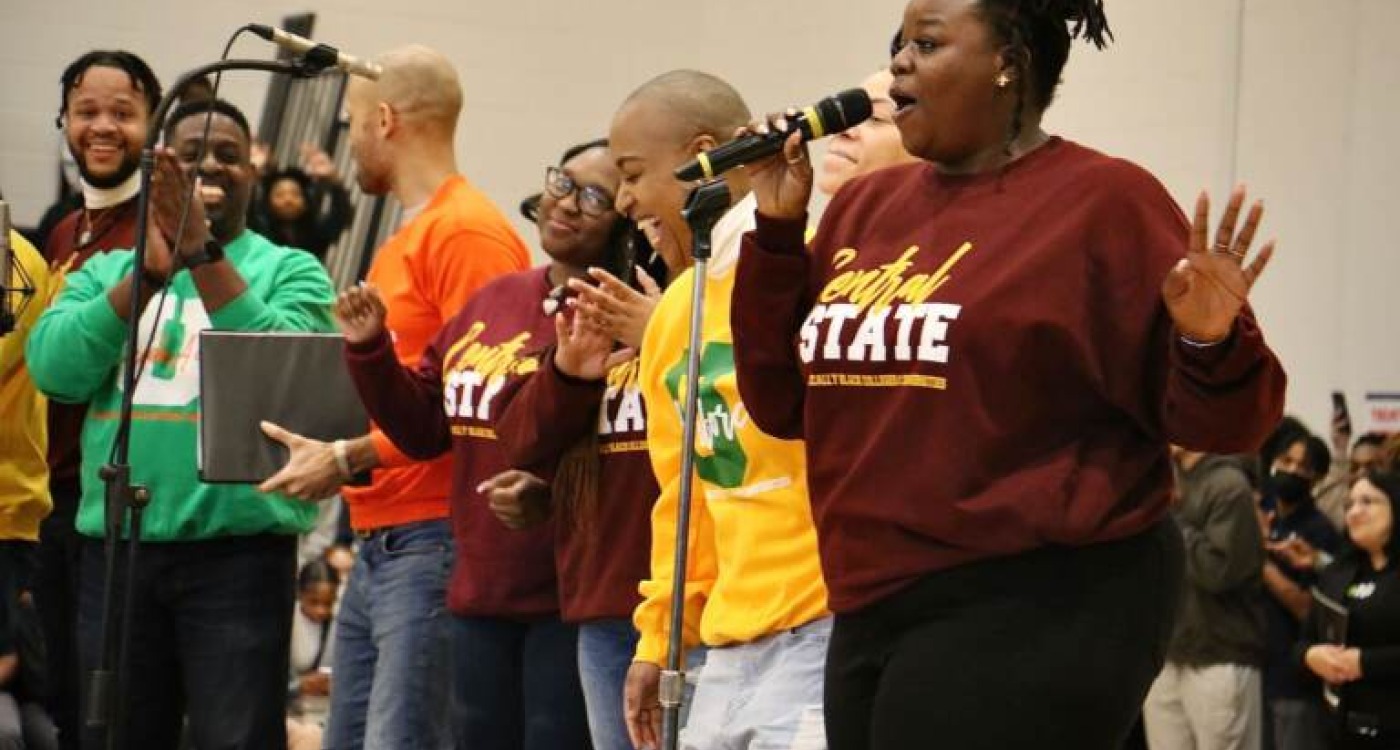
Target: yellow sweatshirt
[(24, 468), (753, 568)]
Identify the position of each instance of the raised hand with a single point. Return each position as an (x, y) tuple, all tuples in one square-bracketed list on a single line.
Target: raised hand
[(518, 498), (317, 163), (360, 312), (1206, 290), (615, 308), (158, 260), (782, 183), (171, 189), (583, 350)]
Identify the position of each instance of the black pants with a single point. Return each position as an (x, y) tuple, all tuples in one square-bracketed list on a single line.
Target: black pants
[(56, 597), (1051, 649), (211, 630)]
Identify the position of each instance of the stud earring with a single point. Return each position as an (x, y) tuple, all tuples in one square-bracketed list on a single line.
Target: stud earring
[(1003, 80)]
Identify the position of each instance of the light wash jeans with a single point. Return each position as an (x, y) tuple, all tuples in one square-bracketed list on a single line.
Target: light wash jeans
[(764, 695), (391, 676)]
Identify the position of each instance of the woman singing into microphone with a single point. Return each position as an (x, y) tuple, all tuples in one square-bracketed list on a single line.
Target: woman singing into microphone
[(988, 352)]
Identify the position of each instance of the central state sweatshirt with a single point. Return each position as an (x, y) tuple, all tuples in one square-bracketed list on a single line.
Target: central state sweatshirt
[(982, 365)]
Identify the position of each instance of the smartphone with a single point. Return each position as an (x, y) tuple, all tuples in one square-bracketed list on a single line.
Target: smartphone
[(1341, 418)]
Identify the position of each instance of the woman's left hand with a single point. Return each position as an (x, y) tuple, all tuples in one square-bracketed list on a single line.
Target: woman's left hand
[(1206, 290)]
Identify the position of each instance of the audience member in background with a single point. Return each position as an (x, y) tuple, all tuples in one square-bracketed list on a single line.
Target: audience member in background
[(313, 629), (304, 207), (211, 608), (1208, 694), (1349, 464), (106, 98), (24, 724), (1293, 717), (1365, 669), (392, 665), (24, 502)]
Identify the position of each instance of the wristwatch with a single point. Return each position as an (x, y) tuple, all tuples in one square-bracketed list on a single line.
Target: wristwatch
[(212, 252)]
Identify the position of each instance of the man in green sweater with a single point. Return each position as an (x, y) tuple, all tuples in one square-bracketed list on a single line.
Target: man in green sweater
[(212, 603)]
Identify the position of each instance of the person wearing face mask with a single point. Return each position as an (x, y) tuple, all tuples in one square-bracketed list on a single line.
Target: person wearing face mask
[(988, 353), (514, 651), (211, 607), (1293, 717), (106, 100), (1365, 669)]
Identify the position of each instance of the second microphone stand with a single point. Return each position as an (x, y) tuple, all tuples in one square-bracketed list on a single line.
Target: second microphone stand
[(706, 204)]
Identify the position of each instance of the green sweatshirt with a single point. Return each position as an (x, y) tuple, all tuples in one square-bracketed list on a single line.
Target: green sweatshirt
[(75, 355)]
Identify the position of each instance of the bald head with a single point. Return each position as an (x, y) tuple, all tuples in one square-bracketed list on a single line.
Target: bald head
[(419, 84), (692, 103)]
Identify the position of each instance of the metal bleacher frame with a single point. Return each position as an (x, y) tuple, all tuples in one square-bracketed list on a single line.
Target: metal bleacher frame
[(311, 110)]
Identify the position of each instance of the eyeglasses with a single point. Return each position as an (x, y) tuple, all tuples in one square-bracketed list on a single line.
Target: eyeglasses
[(592, 200)]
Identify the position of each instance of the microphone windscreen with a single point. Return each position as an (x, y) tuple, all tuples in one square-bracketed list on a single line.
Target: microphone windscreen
[(844, 110)]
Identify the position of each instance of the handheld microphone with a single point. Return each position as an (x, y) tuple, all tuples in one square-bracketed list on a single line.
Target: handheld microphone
[(322, 54), (827, 117)]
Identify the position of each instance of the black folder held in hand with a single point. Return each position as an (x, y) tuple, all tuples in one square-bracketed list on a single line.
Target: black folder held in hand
[(296, 380)]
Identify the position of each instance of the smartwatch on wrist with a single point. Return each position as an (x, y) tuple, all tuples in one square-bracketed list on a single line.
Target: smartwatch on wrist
[(212, 252)]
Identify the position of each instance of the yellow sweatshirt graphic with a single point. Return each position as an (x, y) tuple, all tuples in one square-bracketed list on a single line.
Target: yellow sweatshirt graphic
[(753, 568)]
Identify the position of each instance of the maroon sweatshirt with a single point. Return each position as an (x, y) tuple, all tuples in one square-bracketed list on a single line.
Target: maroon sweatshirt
[(113, 229), (448, 403), (982, 365), (602, 555)]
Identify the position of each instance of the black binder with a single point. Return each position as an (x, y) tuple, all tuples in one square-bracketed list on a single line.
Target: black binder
[(296, 380)]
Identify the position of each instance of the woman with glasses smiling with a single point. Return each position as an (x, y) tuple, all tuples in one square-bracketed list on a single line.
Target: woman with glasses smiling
[(515, 675), (580, 419)]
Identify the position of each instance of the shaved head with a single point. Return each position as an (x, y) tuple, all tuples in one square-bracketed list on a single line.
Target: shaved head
[(419, 83), (692, 103)]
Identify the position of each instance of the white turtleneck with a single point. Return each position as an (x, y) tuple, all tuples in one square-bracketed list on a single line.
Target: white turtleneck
[(95, 198)]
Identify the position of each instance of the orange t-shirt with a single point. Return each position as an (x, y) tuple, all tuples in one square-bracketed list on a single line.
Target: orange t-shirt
[(426, 272)]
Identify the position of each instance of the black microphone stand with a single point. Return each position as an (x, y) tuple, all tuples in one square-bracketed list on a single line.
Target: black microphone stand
[(706, 204), (123, 501)]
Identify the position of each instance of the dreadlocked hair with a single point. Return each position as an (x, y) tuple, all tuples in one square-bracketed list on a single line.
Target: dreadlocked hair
[(1036, 36)]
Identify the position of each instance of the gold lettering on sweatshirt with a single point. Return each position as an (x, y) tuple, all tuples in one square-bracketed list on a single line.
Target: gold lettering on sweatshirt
[(878, 288)]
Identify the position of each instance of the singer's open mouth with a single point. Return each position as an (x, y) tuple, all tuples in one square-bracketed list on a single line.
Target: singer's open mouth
[(901, 101)]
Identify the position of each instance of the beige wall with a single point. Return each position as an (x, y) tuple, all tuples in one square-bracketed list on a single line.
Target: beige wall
[(1295, 97)]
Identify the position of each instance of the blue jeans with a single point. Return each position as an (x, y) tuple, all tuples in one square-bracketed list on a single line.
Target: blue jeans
[(390, 673), (211, 626), (516, 685), (605, 650)]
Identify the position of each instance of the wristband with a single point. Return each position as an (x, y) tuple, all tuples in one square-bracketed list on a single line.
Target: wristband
[(342, 459)]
